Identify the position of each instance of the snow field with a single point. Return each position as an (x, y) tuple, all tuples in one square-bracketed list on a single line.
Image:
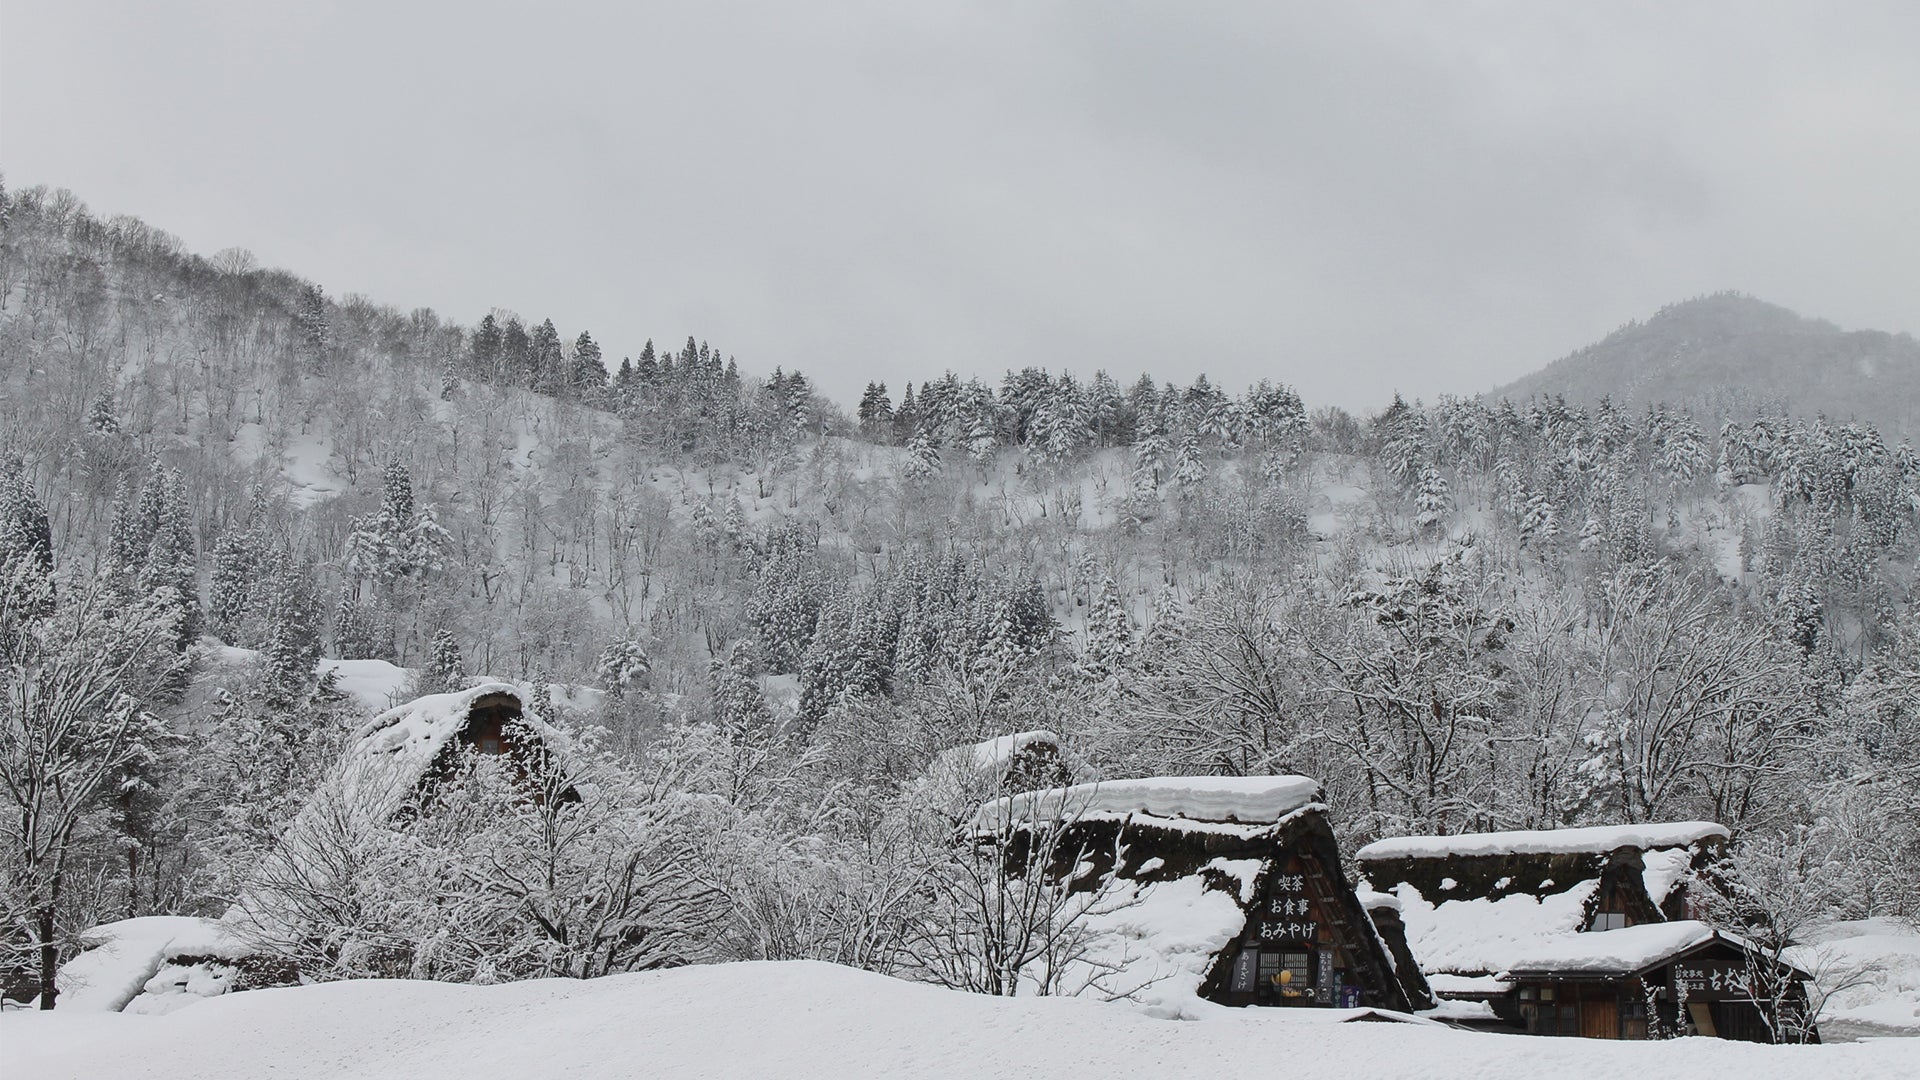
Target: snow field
[(813, 1021)]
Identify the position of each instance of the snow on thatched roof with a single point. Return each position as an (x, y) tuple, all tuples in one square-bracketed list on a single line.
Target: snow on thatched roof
[(1482, 936), (1374, 900), (1195, 800), (121, 958), (391, 753), (1596, 840), (1626, 951), (384, 766), (995, 755)]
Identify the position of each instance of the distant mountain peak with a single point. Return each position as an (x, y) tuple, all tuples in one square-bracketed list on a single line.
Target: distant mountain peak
[(1732, 354)]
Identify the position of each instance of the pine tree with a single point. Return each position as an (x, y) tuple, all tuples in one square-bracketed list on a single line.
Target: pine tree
[(1433, 502), (236, 566), (1150, 459), (589, 373), (546, 359), (101, 419), (445, 671), (292, 614), (876, 413), (153, 547), (906, 418), (486, 349), (923, 458), (310, 316), (1189, 467), (540, 697), (624, 665), (745, 723), (396, 492), (785, 603), (1111, 644), (26, 533), (353, 631), (516, 351)]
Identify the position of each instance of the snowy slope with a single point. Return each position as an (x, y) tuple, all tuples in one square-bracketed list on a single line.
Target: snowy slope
[(1872, 969), (810, 1020)]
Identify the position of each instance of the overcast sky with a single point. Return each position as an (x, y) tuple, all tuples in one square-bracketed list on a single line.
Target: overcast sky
[(1353, 198)]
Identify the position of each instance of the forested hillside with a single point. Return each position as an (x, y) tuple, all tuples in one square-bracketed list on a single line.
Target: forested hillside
[(764, 616), (1733, 353)]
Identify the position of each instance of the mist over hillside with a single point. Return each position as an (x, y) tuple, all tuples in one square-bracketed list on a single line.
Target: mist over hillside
[(766, 616), (1730, 353)]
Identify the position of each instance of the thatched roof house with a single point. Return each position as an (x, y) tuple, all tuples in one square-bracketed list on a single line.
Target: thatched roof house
[(155, 965), (1586, 931), (1229, 890)]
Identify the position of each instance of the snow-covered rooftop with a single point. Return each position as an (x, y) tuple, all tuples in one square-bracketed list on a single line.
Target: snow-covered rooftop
[(391, 752), (1468, 985), (121, 957), (1613, 952), (1596, 839), (1480, 936), (995, 755), (1261, 800)]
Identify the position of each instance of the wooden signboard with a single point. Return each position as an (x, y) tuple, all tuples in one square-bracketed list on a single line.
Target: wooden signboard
[(1245, 968), (1712, 980), (1289, 913)]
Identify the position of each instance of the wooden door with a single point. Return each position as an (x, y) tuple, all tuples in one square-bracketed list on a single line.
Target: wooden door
[(1600, 1017)]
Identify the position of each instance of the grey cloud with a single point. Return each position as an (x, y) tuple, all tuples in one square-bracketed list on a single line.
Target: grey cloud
[(1352, 198)]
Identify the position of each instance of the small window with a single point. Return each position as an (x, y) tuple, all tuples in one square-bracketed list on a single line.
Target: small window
[(1609, 920)]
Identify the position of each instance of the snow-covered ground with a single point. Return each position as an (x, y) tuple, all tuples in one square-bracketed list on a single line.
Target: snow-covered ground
[(1873, 968), (804, 1019)]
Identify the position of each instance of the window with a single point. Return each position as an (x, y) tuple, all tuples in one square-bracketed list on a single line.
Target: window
[(1286, 975), (1609, 920)]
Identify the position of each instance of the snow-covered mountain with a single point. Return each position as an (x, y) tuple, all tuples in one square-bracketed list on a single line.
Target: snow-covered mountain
[(1734, 352)]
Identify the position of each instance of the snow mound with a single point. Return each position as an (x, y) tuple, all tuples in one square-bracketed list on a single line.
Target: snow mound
[(1662, 870), (1616, 952), (1260, 800), (1152, 943), (1376, 901), (1593, 840), (375, 684), (813, 1021), (123, 961)]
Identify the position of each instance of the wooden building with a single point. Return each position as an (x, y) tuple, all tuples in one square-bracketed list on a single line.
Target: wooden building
[(1246, 865), (1594, 932)]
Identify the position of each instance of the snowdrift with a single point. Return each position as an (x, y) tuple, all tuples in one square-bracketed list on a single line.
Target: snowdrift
[(807, 1020)]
